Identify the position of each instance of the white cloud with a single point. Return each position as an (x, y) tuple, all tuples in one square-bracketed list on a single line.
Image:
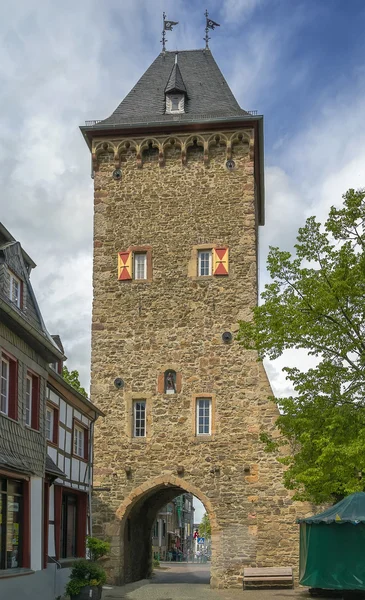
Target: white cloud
[(63, 63), (240, 10)]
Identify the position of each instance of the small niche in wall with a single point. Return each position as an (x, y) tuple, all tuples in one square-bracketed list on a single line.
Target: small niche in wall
[(169, 382)]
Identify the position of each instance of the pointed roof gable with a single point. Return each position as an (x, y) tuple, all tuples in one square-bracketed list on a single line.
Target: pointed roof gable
[(204, 85), (175, 82)]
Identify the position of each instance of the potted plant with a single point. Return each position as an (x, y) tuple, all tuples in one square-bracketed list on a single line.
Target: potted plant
[(87, 576)]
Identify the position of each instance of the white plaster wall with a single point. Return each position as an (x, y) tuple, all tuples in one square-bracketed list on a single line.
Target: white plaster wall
[(62, 411), (61, 461), (61, 438), (77, 415), (69, 416), (75, 470), (52, 452), (83, 466), (36, 522), (68, 442), (53, 397)]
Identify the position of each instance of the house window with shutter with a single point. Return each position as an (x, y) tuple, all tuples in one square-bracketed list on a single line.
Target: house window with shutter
[(135, 264), (80, 441), (9, 387), (140, 265), (204, 263), (207, 261), (52, 419), (15, 289)]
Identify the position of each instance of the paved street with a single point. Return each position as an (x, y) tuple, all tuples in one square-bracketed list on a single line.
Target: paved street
[(181, 581)]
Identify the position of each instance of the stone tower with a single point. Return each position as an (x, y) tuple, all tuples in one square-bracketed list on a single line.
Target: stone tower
[(179, 196)]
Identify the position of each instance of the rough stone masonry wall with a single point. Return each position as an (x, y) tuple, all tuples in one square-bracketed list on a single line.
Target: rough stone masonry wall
[(176, 320)]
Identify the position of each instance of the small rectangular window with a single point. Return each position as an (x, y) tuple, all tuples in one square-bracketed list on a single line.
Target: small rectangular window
[(139, 418), (175, 101), (4, 403), (28, 400), (15, 290), (140, 265), (79, 441), (9, 387), (204, 263), (203, 416)]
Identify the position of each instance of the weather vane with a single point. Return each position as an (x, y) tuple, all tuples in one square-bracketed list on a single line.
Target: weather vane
[(167, 26), (209, 25)]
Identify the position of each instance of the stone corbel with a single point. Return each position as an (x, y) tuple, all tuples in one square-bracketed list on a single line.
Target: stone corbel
[(161, 156), (139, 157), (183, 153), (229, 150), (94, 160), (206, 153), (117, 159)]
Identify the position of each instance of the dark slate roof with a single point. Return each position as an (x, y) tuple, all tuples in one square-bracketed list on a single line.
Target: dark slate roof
[(28, 317), (16, 462), (52, 468), (175, 82), (208, 94)]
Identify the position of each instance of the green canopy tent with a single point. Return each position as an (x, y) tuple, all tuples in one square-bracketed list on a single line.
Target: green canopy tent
[(332, 546)]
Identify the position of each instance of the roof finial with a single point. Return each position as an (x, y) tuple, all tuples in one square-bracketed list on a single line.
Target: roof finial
[(176, 58), (167, 26), (209, 24)]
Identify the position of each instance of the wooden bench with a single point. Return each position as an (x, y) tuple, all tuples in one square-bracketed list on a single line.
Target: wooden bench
[(268, 577)]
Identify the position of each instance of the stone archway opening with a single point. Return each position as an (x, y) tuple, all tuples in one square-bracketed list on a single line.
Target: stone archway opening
[(137, 516)]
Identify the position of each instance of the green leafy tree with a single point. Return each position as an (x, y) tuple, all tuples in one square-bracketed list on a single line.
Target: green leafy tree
[(204, 527), (72, 377), (316, 302)]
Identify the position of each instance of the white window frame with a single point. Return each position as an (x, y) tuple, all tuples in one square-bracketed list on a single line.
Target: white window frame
[(28, 400), (79, 441), (137, 429), (15, 279), (138, 273), (4, 389), (50, 411), (180, 104), (198, 401), (200, 260)]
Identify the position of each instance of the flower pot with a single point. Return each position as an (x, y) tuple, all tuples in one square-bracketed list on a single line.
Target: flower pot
[(89, 592)]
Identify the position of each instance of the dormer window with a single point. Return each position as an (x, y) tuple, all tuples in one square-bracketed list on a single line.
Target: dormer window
[(175, 91), (175, 103), (15, 289)]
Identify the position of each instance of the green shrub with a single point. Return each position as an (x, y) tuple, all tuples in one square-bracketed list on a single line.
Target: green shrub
[(84, 572), (156, 563), (97, 548)]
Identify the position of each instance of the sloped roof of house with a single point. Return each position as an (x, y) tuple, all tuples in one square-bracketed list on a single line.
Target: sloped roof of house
[(196, 72), (175, 82), (26, 321)]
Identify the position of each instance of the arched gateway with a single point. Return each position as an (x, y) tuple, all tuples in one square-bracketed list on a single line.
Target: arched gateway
[(137, 514), (178, 172)]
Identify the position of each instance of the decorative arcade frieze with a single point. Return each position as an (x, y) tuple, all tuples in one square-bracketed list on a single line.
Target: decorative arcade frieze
[(119, 148)]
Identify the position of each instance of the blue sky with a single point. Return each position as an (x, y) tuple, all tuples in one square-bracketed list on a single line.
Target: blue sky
[(298, 62)]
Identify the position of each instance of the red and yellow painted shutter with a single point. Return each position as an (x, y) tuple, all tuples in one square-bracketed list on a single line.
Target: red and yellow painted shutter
[(220, 261), (124, 266)]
